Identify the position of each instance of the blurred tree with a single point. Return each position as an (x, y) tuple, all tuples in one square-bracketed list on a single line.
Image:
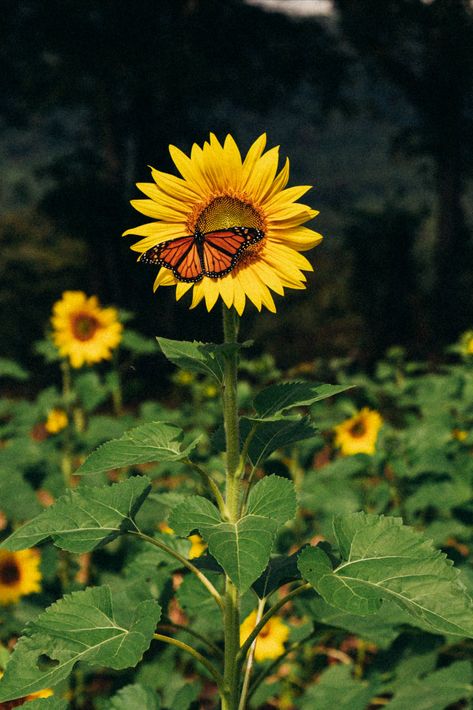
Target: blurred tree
[(425, 48)]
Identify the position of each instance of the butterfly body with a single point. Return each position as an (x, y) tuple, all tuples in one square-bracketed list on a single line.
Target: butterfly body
[(214, 254)]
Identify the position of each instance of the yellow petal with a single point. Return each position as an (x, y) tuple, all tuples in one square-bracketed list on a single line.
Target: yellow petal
[(153, 209), (181, 288), (250, 285), (174, 186), (263, 174), (225, 286), (189, 171), (165, 277), (252, 157), (286, 197)]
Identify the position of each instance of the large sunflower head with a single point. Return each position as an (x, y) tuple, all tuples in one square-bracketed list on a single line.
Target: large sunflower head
[(83, 331), (358, 435), (19, 574), (243, 227)]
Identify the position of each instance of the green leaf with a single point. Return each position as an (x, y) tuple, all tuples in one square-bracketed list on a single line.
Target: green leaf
[(50, 703), (383, 559), (149, 442), (270, 436), (194, 513), (85, 518), (135, 696), (279, 571), (337, 688), (194, 597), (10, 368), (435, 691), (81, 626), (17, 496), (205, 358), (277, 399), (380, 628), (243, 548), (273, 497)]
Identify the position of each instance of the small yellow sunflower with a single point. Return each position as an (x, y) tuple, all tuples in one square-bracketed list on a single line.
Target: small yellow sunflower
[(220, 191), (19, 574), (198, 546), (57, 421), (358, 434), (271, 639), (82, 330)]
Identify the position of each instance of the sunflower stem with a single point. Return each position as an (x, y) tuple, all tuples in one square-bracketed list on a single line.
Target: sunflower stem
[(232, 505)]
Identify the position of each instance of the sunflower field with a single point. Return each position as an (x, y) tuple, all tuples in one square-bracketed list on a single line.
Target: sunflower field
[(252, 538)]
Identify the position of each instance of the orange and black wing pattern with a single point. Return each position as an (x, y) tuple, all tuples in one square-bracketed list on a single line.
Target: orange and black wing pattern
[(213, 254)]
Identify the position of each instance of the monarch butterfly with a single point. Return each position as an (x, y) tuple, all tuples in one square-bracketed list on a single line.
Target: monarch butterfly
[(213, 254)]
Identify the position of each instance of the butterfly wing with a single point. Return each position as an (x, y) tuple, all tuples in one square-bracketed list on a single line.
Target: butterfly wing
[(213, 254), (181, 255), (223, 248)]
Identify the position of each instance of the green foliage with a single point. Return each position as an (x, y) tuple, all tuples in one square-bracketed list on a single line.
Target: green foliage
[(273, 497), (150, 442), (11, 369), (382, 559), (80, 627), (337, 688), (85, 519), (50, 703), (135, 696), (277, 399), (437, 690), (203, 358)]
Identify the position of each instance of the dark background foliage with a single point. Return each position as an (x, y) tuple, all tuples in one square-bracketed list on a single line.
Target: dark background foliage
[(372, 101)]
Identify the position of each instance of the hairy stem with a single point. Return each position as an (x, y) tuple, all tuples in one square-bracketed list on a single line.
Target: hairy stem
[(232, 505)]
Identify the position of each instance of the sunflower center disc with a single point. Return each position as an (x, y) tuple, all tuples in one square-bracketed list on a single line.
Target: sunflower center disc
[(84, 326), (226, 211), (9, 573), (358, 430)]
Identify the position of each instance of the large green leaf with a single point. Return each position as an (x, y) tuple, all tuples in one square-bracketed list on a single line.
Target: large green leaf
[(273, 497), (277, 399), (135, 696), (85, 518), (194, 513), (154, 441), (272, 435), (338, 689), (280, 570), (380, 628), (383, 559), (435, 691), (203, 358), (80, 627), (242, 549)]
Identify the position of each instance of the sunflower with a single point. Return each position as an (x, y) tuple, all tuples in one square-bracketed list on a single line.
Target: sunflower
[(82, 330), (220, 191), (198, 546), (358, 434), (19, 574), (270, 640), (56, 421)]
